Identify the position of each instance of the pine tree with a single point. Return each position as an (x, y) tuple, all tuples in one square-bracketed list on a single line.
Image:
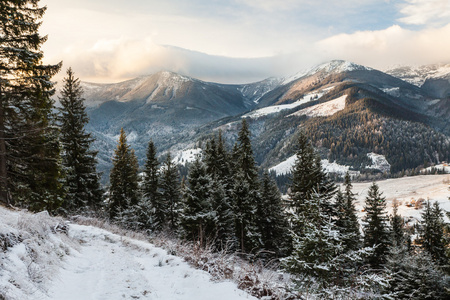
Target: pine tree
[(376, 227), (432, 233), (170, 192), (246, 193), (79, 162), (30, 171), (151, 190), (123, 191), (398, 230), (272, 219), (347, 221), (197, 218)]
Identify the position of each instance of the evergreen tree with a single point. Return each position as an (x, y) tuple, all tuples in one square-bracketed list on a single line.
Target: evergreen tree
[(272, 219), (79, 162), (123, 191), (170, 192), (30, 173), (432, 233), (156, 206), (414, 276), (376, 227), (246, 193), (197, 218), (224, 222), (397, 224), (347, 220)]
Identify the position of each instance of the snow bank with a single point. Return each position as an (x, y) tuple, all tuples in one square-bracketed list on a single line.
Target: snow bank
[(324, 109), (444, 167)]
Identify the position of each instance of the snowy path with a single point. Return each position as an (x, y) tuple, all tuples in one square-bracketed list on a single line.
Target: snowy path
[(112, 267)]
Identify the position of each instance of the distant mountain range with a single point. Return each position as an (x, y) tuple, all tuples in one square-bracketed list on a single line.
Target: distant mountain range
[(339, 104)]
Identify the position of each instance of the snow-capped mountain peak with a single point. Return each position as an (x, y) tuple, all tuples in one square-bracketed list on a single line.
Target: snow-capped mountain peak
[(331, 67)]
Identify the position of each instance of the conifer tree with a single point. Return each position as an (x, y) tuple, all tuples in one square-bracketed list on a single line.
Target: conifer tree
[(397, 224), (432, 233), (347, 221), (79, 162), (272, 219), (246, 193), (376, 227), (123, 191), (170, 192), (197, 218), (151, 190), (29, 151)]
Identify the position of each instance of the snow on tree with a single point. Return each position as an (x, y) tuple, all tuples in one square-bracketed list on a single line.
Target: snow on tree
[(272, 219), (123, 191), (246, 193), (170, 192), (376, 227), (432, 233), (79, 162), (197, 217)]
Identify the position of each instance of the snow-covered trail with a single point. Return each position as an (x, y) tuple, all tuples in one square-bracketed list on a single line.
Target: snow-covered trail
[(108, 266)]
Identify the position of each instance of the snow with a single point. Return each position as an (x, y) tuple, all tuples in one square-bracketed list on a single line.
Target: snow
[(405, 189), (277, 108), (379, 162), (285, 167), (444, 167), (324, 109), (186, 156), (334, 66), (92, 263)]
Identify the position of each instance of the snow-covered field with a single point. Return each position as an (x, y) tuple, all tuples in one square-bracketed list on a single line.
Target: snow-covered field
[(405, 189), (92, 263)]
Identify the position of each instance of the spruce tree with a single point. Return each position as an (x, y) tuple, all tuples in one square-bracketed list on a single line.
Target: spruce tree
[(123, 191), (272, 219), (170, 192), (79, 162), (398, 230), (151, 190), (246, 193), (376, 227), (30, 173), (347, 220), (197, 218), (432, 233)]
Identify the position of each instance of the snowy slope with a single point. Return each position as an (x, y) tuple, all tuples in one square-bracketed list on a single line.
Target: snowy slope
[(187, 156), (277, 108), (324, 109), (285, 167), (40, 262), (417, 75)]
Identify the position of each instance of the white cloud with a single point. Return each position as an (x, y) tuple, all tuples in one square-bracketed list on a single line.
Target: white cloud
[(421, 12), (394, 45)]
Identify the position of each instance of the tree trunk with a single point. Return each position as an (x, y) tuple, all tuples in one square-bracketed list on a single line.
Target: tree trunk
[(3, 171)]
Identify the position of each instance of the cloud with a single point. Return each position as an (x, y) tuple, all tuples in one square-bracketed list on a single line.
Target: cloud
[(394, 45), (421, 12)]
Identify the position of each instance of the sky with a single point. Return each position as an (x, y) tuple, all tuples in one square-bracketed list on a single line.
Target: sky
[(237, 41)]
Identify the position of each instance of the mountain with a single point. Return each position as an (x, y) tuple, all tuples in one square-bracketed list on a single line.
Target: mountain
[(164, 106), (434, 79), (348, 111)]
